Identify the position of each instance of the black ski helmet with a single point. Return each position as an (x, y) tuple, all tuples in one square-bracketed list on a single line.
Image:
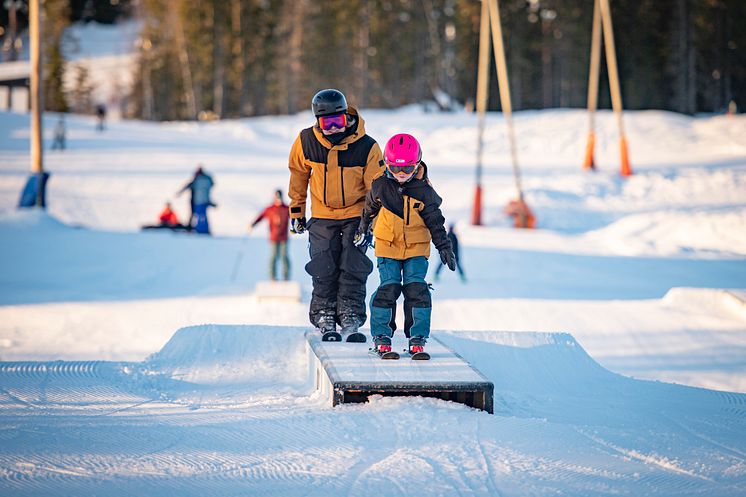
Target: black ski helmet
[(327, 102)]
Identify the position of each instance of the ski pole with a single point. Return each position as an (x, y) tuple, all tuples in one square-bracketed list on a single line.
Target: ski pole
[(239, 257)]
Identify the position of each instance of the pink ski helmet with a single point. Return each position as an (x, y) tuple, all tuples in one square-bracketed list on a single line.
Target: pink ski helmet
[(402, 156)]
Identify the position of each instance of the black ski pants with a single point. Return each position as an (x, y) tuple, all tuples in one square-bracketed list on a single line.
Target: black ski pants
[(338, 269)]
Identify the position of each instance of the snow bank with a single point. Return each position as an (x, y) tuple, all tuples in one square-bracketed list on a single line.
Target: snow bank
[(212, 354)]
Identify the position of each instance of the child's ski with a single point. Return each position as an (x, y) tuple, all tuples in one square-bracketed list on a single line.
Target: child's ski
[(387, 355), (420, 356)]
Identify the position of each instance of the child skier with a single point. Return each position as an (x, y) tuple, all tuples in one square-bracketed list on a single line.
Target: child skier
[(408, 218)]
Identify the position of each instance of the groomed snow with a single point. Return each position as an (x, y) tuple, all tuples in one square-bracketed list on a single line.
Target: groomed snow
[(582, 325)]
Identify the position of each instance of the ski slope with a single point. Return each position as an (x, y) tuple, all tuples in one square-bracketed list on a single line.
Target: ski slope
[(615, 334), (230, 410)]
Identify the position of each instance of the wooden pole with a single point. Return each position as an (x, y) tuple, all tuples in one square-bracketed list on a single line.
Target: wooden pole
[(504, 86), (589, 162), (482, 96), (37, 158), (616, 94)]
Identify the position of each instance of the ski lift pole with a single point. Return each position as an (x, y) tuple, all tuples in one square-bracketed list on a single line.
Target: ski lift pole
[(482, 95), (525, 218), (616, 94), (589, 162)]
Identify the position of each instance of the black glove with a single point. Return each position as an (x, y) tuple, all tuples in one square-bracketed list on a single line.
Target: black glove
[(363, 238), (448, 258), (298, 225)]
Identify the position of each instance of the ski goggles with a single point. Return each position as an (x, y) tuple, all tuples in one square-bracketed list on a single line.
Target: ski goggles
[(401, 169), (338, 121)]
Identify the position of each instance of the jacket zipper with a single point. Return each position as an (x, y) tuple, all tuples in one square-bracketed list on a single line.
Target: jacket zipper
[(342, 182), (325, 171), (408, 198)]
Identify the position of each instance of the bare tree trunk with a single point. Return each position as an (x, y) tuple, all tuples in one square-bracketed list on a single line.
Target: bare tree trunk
[(294, 14), (362, 55), (186, 72), (9, 46), (547, 81), (435, 45), (239, 65), (218, 81), (685, 70)]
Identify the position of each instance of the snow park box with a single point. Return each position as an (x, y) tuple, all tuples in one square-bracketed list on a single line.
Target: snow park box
[(349, 373)]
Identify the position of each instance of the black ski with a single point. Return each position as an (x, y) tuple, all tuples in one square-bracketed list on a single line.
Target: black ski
[(388, 355), (356, 337), (420, 356), (331, 336)]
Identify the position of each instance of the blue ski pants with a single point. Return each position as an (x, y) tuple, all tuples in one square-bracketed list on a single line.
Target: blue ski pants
[(417, 301)]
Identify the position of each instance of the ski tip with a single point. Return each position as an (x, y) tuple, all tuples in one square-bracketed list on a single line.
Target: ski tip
[(421, 356), (356, 338), (331, 336)]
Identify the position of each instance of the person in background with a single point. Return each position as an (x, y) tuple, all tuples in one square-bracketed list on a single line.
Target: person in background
[(454, 245), (100, 117), (199, 187), (337, 161), (168, 216), (60, 133), (278, 217), (167, 219)]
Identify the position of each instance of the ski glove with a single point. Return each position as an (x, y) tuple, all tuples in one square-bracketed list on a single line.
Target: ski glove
[(363, 238), (448, 258), (298, 225)]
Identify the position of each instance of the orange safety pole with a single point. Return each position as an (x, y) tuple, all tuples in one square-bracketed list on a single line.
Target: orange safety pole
[(616, 94), (482, 95), (589, 163)]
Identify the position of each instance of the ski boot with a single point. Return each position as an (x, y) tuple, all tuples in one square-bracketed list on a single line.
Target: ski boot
[(350, 325), (327, 325), (417, 348), (382, 347)]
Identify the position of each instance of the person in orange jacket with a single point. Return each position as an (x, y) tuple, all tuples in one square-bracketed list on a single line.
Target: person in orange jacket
[(278, 217), (336, 161), (167, 219), (168, 216)]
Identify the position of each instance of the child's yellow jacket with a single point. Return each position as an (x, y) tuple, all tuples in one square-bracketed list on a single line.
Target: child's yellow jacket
[(407, 217)]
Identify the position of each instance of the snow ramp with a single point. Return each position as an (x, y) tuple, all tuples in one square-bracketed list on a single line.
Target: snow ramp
[(233, 410)]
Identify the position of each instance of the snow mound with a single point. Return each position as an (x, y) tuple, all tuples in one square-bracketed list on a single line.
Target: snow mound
[(234, 354), (30, 219), (720, 302), (530, 363)]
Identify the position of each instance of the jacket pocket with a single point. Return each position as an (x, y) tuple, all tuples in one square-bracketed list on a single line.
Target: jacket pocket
[(418, 234), (353, 184), (382, 230)]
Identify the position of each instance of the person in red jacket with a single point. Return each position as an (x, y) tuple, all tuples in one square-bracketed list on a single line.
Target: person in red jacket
[(278, 216), (168, 216)]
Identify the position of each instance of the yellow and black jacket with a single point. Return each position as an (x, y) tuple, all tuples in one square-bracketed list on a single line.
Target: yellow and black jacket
[(339, 175), (408, 217)]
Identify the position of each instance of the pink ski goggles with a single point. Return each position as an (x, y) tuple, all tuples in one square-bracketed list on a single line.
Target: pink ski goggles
[(338, 121)]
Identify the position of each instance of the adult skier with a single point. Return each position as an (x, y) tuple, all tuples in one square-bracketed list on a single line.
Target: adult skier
[(277, 218), (337, 161), (199, 187)]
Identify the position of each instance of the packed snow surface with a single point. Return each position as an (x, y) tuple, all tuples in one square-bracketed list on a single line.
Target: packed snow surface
[(615, 334)]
